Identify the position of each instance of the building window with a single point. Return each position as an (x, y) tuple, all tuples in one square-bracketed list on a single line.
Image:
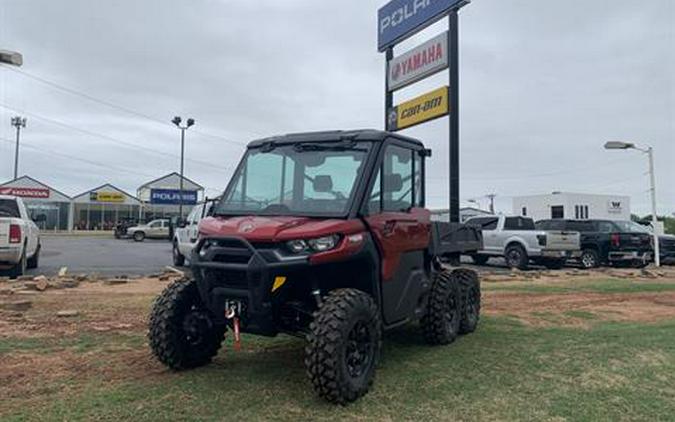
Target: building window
[(586, 212), (524, 211), (557, 211)]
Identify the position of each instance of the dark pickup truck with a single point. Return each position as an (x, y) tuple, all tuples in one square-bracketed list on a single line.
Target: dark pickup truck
[(606, 242)]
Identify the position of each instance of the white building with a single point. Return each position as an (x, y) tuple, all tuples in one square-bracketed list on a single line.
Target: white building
[(573, 206)]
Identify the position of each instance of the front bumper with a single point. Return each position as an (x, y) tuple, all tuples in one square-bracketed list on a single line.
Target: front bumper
[(231, 269)]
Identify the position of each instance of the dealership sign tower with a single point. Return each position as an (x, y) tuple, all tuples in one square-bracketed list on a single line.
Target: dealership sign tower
[(397, 21)]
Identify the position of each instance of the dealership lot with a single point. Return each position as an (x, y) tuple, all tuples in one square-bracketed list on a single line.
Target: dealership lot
[(102, 255)]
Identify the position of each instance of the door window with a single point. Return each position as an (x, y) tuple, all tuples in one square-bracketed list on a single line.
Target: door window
[(155, 224), (518, 223), (401, 177)]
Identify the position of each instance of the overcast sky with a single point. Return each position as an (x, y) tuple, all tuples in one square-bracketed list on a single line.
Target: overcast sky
[(543, 84)]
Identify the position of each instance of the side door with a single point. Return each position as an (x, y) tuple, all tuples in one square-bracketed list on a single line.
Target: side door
[(394, 211), (154, 229), (488, 227)]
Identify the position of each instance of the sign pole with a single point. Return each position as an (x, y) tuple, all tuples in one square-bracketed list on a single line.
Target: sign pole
[(453, 145), (388, 95)]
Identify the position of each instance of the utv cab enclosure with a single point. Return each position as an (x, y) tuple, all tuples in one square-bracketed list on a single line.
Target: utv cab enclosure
[(324, 236)]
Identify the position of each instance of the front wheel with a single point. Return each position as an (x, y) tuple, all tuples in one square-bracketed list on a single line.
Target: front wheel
[(343, 346), (181, 332), (139, 236), (589, 259)]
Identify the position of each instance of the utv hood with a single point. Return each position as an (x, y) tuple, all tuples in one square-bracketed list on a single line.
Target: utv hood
[(275, 229)]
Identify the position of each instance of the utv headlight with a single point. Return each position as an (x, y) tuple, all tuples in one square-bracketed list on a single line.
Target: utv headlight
[(323, 243), (319, 244)]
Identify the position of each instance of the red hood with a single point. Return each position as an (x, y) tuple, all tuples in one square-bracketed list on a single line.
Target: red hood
[(273, 229)]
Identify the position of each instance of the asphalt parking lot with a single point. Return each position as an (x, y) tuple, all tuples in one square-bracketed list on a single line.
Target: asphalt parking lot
[(102, 255)]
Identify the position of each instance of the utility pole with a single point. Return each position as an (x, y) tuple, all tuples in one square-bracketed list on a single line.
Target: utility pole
[(176, 121), (491, 197), (18, 122)]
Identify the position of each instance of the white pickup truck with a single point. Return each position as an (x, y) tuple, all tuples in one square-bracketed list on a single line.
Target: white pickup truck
[(517, 240), (185, 236), (19, 237)]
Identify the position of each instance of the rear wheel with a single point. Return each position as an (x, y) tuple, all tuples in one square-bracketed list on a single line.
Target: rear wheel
[(343, 346), (34, 260), (516, 257), (470, 291), (178, 258), (139, 236), (480, 259), (182, 333), (589, 259), (441, 322), (20, 268)]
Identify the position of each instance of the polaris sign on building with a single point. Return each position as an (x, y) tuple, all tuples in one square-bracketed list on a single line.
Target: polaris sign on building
[(172, 197), (399, 19)]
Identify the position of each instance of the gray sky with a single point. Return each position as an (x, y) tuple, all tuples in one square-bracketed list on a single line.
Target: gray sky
[(543, 84)]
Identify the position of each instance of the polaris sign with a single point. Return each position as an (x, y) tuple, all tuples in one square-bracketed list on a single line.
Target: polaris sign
[(172, 197), (399, 19)]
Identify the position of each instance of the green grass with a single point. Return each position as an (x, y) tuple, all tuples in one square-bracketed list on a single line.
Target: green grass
[(504, 371), (610, 285)]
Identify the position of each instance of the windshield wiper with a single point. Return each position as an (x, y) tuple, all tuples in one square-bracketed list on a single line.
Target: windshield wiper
[(344, 145)]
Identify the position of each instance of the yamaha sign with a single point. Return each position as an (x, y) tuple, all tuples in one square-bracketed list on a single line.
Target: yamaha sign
[(172, 197), (399, 19)]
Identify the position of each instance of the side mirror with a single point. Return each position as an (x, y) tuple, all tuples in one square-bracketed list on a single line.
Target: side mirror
[(181, 223)]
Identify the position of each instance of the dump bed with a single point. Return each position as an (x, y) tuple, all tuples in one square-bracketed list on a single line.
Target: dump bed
[(452, 239)]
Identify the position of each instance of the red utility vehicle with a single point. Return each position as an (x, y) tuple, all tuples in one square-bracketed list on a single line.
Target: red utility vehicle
[(324, 236)]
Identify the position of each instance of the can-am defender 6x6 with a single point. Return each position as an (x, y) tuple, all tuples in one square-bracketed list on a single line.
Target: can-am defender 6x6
[(322, 236)]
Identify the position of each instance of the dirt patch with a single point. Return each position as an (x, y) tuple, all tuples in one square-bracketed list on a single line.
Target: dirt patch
[(579, 309)]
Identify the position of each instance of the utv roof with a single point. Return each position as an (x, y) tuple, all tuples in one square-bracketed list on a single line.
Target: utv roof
[(333, 136)]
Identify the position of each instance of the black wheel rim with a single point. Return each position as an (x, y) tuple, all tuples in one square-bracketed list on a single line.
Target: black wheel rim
[(514, 258), (359, 351), (197, 325)]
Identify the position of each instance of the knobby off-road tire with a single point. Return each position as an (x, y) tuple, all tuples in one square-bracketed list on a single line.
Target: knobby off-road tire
[(181, 332), (470, 290), (343, 346), (440, 324)]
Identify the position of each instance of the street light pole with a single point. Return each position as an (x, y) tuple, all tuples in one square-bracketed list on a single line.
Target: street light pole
[(652, 189), (18, 122), (177, 121), (655, 220)]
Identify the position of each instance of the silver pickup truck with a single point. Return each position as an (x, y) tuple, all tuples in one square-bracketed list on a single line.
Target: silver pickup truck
[(519, 243)]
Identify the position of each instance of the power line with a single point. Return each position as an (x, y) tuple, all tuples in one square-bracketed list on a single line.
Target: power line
[(118, 107), (112, 139), (120, 170)]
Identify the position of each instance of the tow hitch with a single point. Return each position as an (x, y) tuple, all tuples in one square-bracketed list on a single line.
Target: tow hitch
[(232, 312)]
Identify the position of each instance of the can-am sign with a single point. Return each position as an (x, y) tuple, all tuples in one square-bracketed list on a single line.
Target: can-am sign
[(41, 193), (422, 109), (399, 19), (419, 63), (172, 197)]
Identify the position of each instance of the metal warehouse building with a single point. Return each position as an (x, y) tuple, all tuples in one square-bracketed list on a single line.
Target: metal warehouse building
[(580, 206), (161, 197), (42, 200), (100, 208)]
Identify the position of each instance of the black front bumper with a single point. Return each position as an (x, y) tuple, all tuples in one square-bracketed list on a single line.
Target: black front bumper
[(229, 269)]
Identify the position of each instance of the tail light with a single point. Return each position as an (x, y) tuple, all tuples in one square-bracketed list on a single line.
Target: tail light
[(14, 233), (616, 239), (542, 239)]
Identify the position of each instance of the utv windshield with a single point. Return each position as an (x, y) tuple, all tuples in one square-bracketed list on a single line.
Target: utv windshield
[(308, 178)]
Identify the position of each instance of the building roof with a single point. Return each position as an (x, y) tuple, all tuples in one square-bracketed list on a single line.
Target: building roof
[(109, 186), (168, 176)]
